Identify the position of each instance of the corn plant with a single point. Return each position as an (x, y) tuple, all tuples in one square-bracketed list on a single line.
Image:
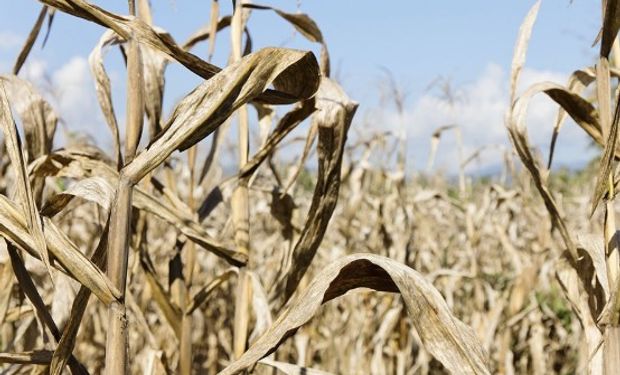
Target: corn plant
[(115, 223)]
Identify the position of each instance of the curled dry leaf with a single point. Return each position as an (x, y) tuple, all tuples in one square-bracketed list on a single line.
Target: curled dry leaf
[(574, 266), (125, 26), (32, 37), (204, 33), (606, 163), (170, 311), (203, 294), (211, 103), (306, 26), (134, 120), (104, 89), (24, 189), (581, 111), (13, 227), (520, 49), (593, 245), (569, 280), (27, 285), (285, 126), (154, 64), (333, 118), (592, 270), (577, 83), (611, 25), (444, 336), (94, 189), (38, 121), (37, 116), (85, 166), (78, 308)]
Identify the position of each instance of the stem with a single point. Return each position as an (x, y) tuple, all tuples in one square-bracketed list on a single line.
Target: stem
[(611, 335), (611, 352), (242, 306), (610, 238), (611, 338), (240, 204), (118, 241), (120, 218), (242, 301), (135, 101), (185, 355)]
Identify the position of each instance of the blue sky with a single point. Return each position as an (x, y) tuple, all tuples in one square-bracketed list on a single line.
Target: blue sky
[(469, 43)]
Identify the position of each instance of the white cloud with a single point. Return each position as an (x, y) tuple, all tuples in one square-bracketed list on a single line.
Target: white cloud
[(34, 70), (75, 92), (70, 90), (77, 100), (479, 112), (9, 40)]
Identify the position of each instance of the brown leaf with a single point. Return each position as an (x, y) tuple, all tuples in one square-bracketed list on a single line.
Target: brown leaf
[(78, 308), (584, 114), (203, 294), (211, 103), (334, 114), (37, 116), (154, 63), (32, 37), (520, 49), (84, 166), (285, 126), (447, 338), (125, 26), (27, 285), (13, 228), (104, 90), (94, 189), (162, 298), (135, 98), (577, 83), (36, 357), (569, 280), (24, 189), (205, 32), (306, 26), (606, 163), (611, 25)]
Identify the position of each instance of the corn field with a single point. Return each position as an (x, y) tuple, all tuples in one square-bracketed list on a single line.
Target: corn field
[(151, 257)]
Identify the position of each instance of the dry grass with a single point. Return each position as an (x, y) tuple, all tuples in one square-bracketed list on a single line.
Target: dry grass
[(196, 272)]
